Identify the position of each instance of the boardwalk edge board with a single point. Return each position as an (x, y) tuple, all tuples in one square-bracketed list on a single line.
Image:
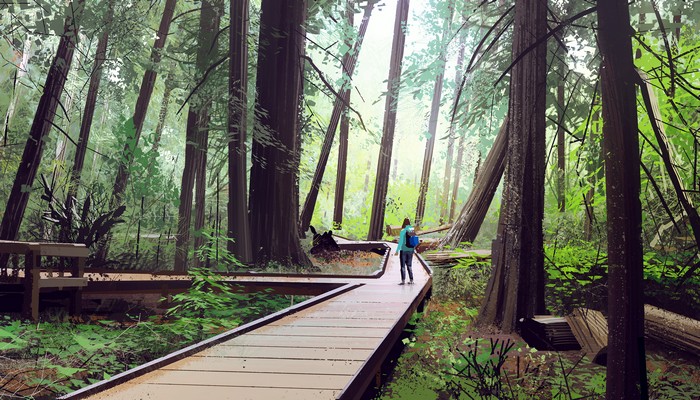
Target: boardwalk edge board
[(358, 384), (197, 347)]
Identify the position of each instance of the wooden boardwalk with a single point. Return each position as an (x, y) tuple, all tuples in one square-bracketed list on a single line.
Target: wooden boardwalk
[(329, 347)]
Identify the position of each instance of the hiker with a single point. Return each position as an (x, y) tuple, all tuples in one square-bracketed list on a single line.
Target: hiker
[(405, 252)]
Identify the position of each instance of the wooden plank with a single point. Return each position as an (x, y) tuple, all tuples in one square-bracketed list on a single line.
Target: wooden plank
[(239, 364), (289, 353), (321, 331), (336, 322), (246, 379), (171, 392), (63, 250), (61, 282), (304, 341)]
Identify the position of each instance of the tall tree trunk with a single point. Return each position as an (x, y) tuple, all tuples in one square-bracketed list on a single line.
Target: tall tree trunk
[(626, 364), (163, 114), (238, 218), (43, 119), (135, 124), (432, 126), (458, 176), (343, 138), (88, 114), (274, 197), (561, 148), (339, 106), (595, 162), (196, 138), (474, 210), (22, 69), (516, 286), (376, 225), (451, 139)]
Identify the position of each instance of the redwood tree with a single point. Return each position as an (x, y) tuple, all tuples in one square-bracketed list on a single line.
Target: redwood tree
[(88, 113), (432, 126), (276, 141), (376, 224), (339, 106), (197, 136), (626, 368), (472, 215), (238, 220), (343, 139), (135, 124), (43, 120), (516, 286)]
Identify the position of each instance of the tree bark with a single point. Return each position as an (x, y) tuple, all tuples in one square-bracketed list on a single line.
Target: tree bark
[(197, 136), (142, 103), (343, 140), (274, 197), (626, 368), (238, 218), (339, 106), (458, 176), (474, 210), (376, 225), (43, 119), (163, 114), (516, 287), (561, 149)]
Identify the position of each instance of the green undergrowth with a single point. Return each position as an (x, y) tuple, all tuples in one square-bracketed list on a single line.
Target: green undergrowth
[(46, 359), (576, 277)]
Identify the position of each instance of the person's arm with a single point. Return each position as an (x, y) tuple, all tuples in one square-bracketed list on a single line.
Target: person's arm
[(402, 238)]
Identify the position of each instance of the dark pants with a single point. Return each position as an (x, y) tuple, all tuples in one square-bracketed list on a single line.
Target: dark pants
[(406, 258)]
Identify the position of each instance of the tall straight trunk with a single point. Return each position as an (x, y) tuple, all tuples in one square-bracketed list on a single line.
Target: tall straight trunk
[(451, 139), (595, 158), (474, 210), (43, 119), (561, 149), (458, 176), (276, 143), (516, 286), (88, 114), (238, 219), (163, 114), (339, 106), (626, 364), (22, 69), (432, 127), (343, 139), (135, 124), (197, 135), (61, 141), (381, 186)]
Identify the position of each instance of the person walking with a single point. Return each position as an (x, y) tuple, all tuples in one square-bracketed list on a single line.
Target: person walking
[(404, 252)]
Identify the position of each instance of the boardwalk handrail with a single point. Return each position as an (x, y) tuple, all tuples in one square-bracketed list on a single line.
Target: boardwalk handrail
[(198, 347)]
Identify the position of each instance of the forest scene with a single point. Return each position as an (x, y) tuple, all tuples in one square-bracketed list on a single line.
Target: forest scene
[(174, 174)]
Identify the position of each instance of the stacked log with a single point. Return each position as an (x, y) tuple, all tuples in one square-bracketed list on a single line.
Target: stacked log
[(548, 332), (672, 329), (591, 330)]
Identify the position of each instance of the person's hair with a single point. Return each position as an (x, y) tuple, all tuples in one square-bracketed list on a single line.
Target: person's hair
[(406, 222)]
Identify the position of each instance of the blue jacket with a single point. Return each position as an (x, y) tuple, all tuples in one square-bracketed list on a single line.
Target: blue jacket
[(402, 240)]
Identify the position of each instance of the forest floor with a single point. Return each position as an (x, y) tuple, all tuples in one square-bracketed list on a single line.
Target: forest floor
[(448, 358)]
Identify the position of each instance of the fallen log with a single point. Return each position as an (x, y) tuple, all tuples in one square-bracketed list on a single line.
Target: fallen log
[(591, 330), (672, 329)]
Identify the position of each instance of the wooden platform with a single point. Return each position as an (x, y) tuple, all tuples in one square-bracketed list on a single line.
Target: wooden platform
[(329, 347)]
